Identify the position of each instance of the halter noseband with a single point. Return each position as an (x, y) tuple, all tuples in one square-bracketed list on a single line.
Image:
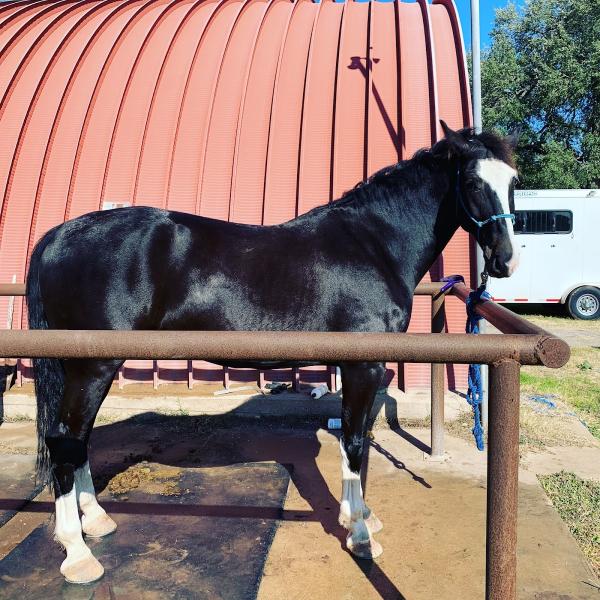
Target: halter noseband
[(479, 224)]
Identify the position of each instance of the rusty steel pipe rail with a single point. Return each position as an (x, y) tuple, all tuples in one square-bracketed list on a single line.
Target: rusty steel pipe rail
[(332, 347), (522, 343), (18, 289), (503, 319), (12, 289)]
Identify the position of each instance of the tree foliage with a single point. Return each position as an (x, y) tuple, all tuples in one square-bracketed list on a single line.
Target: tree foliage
[(542, 73)]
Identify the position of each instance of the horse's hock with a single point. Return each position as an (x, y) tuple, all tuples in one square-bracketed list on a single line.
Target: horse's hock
[(252, 111)]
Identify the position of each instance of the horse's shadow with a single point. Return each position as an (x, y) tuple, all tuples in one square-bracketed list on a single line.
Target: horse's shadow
[(223, 440)]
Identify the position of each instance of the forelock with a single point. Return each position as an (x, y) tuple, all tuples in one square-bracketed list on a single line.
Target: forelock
[(497, 146)]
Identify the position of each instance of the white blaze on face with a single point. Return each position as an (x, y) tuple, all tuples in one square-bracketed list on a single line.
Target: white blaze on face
[(498, 175)]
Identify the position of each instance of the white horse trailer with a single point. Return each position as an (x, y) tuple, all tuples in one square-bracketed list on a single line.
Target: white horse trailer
[(556, 231)]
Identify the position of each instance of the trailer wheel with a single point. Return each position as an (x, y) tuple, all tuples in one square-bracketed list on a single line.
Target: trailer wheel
[(584, 303)]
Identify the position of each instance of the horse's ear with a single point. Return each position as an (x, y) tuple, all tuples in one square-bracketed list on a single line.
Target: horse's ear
[(456, 141), (512, 139)]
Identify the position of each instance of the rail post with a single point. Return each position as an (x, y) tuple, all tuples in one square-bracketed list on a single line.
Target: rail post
[(502, 481), (438, 319)]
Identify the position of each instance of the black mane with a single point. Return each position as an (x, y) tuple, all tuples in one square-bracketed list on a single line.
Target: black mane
[(495, 145)]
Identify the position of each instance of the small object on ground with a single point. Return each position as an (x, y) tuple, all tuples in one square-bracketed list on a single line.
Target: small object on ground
[(242, 388), (277, 387), (543, 400), (319, 391), (334, 424)]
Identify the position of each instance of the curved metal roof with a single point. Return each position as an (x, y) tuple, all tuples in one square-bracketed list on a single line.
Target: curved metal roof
[(248, 110)]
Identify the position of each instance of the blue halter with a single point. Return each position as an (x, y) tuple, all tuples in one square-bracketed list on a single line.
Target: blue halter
[(479, 224)]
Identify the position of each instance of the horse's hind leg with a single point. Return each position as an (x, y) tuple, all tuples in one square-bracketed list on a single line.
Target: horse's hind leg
[(360, 382), (86, 385), (95, 522)]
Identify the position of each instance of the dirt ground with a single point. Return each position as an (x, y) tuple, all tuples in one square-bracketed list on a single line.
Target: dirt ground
[(433, 513)]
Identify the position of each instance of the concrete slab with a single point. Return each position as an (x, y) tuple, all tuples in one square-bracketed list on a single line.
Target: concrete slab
[(433, 513), (17, 483), (17, 466), (176, 399)]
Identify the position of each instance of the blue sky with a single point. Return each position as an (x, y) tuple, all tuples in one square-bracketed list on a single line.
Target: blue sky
[(487, 10)]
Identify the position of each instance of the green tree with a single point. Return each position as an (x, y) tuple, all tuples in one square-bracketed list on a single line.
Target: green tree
[(542, 73)]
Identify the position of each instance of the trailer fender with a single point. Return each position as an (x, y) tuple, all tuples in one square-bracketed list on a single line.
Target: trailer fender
[(572, 288)]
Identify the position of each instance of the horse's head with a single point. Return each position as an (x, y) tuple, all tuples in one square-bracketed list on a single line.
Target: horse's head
[(485, 176)]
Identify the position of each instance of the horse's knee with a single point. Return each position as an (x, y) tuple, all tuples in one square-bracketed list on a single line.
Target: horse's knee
[(352, 448)]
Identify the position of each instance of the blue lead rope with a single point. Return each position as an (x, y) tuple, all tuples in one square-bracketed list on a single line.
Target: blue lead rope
[(475, 391)]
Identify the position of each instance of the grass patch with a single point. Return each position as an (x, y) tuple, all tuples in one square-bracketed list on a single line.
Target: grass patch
[(577, 384), (578, 504), (18, 418), (536, 431), (559, 322), (551, 315), (462, 426)]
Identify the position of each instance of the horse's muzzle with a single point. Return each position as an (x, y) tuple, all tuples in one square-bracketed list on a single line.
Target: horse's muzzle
[(498, 268)]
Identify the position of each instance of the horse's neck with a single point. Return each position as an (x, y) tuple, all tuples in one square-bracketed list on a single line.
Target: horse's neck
[(417, 224)]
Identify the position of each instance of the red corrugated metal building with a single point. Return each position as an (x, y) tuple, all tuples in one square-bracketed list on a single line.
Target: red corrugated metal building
[(247, 110)]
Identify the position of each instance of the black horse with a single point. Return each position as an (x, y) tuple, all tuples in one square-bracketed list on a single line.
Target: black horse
[(351, 265)]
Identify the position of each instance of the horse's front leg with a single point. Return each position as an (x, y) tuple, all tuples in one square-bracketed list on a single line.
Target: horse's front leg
[(360, 382)]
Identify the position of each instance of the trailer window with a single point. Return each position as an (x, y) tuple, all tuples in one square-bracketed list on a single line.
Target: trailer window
[(543, 221)]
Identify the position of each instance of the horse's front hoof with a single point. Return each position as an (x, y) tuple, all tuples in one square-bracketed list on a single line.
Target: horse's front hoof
[(373, 524), (99, 527), (84, 570), (368, 549)]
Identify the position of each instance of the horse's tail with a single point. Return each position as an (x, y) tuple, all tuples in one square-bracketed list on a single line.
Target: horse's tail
[(48, 373)]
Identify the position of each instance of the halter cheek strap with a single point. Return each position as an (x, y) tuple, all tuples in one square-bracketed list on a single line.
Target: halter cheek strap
[(479, 224)]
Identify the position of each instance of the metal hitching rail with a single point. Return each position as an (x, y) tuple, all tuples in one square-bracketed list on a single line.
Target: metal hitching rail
[(521, 344)]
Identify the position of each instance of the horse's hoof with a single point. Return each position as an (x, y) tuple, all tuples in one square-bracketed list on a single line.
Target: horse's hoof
[(99, 527), (373, 524), (369, 549), (84, 570)]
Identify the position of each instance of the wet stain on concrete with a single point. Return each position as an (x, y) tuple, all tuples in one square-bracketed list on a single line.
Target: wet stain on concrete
[(207, 541)]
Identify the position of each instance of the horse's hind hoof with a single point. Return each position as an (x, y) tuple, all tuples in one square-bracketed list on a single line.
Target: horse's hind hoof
[(99, 527), (85, 570), (374, 525), (368, 549)]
